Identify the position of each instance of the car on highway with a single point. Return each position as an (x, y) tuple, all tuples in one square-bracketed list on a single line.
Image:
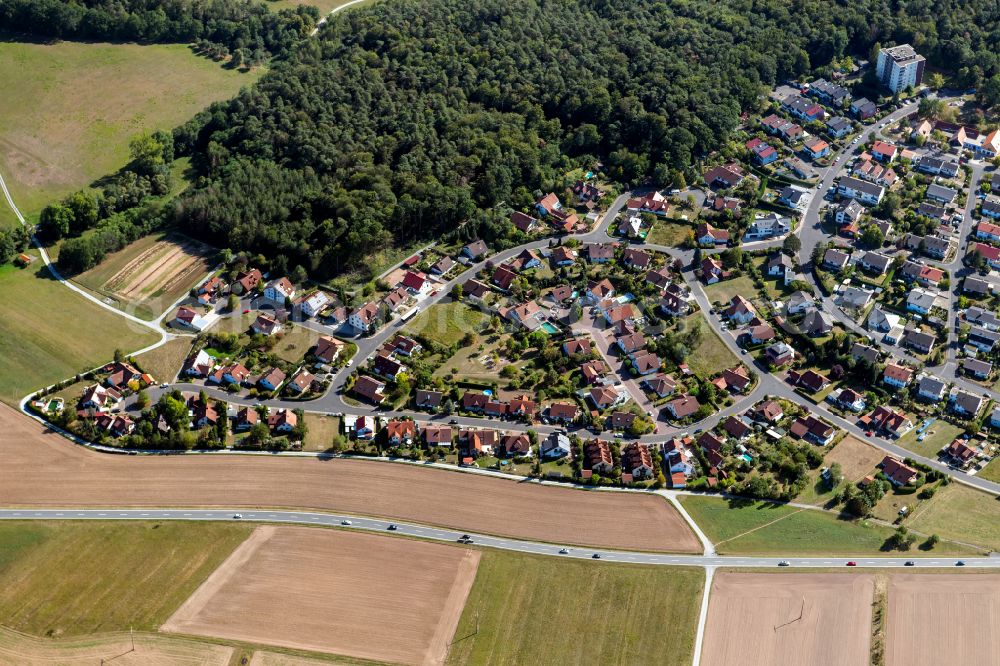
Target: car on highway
[(909, 563), (392, 527), (852, 563), (465, 538), (960, 563), (784, 563), (596, 556), (564, 551), (346, 522), (453, 422), (237, 516)]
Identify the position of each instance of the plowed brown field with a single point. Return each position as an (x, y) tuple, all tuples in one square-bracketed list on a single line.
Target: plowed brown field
[(40, 468)]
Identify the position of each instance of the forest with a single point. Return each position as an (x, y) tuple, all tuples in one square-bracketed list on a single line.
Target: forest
[(247, 30), (407, 118)]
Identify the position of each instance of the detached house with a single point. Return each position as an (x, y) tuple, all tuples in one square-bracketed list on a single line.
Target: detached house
[(898, 473), (706, 234), (964, 403), (886, 420), (897, 375), (279, 290)]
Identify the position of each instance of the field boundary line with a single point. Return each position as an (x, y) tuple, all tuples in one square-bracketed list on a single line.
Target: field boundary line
[(760, 527), (699, 636)]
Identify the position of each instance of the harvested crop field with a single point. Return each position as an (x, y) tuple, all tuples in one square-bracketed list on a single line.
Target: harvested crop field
[(151, 274), (943, 619), (18, 649), (362, 595), (766, 619), (41, 468)]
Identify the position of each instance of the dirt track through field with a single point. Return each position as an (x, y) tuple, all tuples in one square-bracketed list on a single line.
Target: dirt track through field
[(360, 595), (767, 619), (40, 468), (18, 649), (943, 619)]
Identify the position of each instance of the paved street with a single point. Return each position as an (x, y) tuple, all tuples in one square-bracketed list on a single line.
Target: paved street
[(484, 540)]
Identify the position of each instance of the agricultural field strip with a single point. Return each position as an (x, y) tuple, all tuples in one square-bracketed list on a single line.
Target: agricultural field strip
[(488, 541)]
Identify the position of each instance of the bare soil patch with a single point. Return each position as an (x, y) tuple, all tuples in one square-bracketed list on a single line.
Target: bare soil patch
[(766, 619), (361, 595), (18, 649), (41, 468), (943, 619)]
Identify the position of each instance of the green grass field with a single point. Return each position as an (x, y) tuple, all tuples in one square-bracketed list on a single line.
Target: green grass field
[(70, 108), (669, 233), (723, 292), (73, 578), (541, 610), (760, 528), (992, 471), (960, 513), (447, 323), (939, 435), (52, 333), (324, 6), (165, 361), (712, 355)]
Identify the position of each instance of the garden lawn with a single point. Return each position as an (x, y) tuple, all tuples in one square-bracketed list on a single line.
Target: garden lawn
[(70, 108), (295, 342), (669, 233), (992, 471), (529, 609), (723, 292), (447, 323), (320, 431), (856, 459), (50, 333), (165, 361), (939, 435), (711, 355), (960, 513), (72, 578), (759, 528)]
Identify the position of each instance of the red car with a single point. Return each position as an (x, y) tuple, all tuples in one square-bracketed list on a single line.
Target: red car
[(869, 433), (852, 563)]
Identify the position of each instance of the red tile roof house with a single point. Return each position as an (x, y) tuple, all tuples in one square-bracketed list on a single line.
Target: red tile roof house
[(247, 281), (271, 379), (769, 411), (425, 399), (475, 442), (646, 363), (496, 409), (736, 428), (246, 418), (636, 259), (265, 325), (327, 349), (474, 401), (524, 223), (593, 370), (398, 431), (522, 406), (437, 435), (370, 389), (598, 291), (637, 461), (562, 256), (597, 457), (740, 310), (711, 270), (706, 234), (282, 420), (683, 407), (887, 420), (813, 429), (604, 396), (416, 282), (621, 420), (387, 367), (120, 374), (898, 473), (661, 385), (503, 277), (301, 382), (516, 445), (202, 415), (577, 346), (960, 452), (897, 375), (98, 397), (810, 380), (737, 379), (364, 428), (234, 373), (563, 411)]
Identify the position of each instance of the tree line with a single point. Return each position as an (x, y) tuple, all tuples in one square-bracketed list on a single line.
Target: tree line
[(248, 30)]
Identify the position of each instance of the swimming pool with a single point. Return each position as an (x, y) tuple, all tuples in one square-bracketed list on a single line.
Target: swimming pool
[(549, 328)]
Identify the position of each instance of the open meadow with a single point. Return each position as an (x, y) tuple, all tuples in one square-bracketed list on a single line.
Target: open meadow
[(165, 361), (447, 323), (53, 333), (920, 606), (71, 108), (363, 595), (150, 275), (540, 610), (43, 469), (856, 459), (767, 619), (711, 355), (120, 649), (75, 578), (960, 513)]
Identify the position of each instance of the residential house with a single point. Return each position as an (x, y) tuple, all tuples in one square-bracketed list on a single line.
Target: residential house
[(815, 147), (884, 152), (477, 442), (875, 262), (922, 301), (898, 473), (945, 195), (556, 445), (726, 176), (674, 301), (442, 265), (198, 365), (566, 412), (593, 371), (604, 397), (802, 108), (246, 418), (737, 428), (897, 375), (271, 379), (364, 428), (247, 281), (838, 127), (810, 380), (779, 354), (636, 259), (388, 367), (865, 192), (816, 323), (920, 272), (983, 339), (187, 317), (577, 346), (771, 225), (976, 286), (370, 389), (435, 435), (282, 420), (860, 352), (918, 340), (938, 165), (931, 388), (835, 259), (885, 419), (799, 302), (597, 457), (363, 317), (548, 205), (763, 153), (977, 316), (654, 203), (98, 397), (760, 333), (990, 208), (637, 461), (989, 253), (978, 369), (855, 298), (706, 234), (503, 277), (599, 291), (863, 108), (740, 310), (475, 291), (121, 374), (327, 349), (831, 93), (711, 270), (792, 197), (737, 378), (988, 231), (662, 385), (646, 363), (279, 290), (524, 223), (769, 411), (600, 253), (425, 399), (813, 429), (659, 277), (960, 453), (848, 399), (312, 304), (683, 406), (203, 415), (848, 212), (562, 256), (233, 373), (475, 250)]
